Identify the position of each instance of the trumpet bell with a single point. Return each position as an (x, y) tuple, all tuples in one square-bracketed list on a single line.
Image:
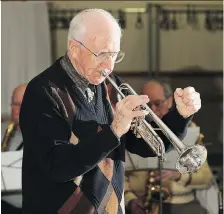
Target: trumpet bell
[(191, 159)]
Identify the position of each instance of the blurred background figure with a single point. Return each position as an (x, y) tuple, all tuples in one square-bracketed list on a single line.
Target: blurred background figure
[(179, 189), (13, 136), (12, 141)]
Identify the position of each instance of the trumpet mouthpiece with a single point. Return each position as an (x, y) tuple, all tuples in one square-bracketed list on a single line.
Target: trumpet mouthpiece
[(105, 72)]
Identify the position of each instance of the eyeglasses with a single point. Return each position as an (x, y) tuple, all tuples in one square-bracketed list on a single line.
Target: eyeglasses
[(157, 103), (104, 56)]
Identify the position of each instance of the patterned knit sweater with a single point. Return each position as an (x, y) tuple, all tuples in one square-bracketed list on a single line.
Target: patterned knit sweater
[(73, 162)]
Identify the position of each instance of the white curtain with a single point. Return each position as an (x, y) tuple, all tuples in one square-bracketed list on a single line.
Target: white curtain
[(25, 45)]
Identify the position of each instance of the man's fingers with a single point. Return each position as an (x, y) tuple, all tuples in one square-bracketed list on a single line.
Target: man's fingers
[(178, 100), (139, 113), (179, 92), (133, 101), (190, 98), (189, 90)]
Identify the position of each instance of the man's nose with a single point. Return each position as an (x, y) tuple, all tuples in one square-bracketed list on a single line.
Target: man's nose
[(109, 64)]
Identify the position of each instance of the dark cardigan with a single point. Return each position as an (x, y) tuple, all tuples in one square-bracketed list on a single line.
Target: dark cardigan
[(65, 137)]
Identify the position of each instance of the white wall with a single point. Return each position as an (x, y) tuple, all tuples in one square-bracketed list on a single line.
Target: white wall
[(180, 48)]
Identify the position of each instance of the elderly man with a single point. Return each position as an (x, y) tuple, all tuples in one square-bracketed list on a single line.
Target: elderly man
[(12, 204), (75, 162), (180, 187)]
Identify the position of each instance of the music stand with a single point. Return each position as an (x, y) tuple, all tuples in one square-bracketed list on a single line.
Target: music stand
[(11, 172)]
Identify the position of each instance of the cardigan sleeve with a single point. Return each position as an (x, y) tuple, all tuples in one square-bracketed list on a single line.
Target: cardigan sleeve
[(177, 124), (46, 140)]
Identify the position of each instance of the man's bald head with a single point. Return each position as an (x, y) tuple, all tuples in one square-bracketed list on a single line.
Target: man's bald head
[(17, 97), (95, 21), (158, 85), (94, 44), (19, 90), (160, 94)]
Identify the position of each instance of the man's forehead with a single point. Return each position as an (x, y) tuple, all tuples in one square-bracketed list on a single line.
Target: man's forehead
[(106, 42), (17, 97), (153, 86), (154, 89), (18, 94), (106, 37)]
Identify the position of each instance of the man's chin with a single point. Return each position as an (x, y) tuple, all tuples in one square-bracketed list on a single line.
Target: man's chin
[(97, 81)]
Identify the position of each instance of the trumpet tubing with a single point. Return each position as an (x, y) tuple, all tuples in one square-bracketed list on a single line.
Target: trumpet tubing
[(190, 158)]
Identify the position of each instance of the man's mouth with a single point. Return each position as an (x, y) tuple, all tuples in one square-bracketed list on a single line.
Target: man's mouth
[(105, 72)]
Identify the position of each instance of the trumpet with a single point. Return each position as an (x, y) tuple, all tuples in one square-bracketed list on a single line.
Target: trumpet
[(190, 158), (8, 133)]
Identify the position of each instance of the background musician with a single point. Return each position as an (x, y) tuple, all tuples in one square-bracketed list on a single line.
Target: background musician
[(179, 186), (12, 141)]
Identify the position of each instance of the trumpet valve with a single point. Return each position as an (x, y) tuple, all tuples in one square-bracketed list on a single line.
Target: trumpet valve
[(134, 126)]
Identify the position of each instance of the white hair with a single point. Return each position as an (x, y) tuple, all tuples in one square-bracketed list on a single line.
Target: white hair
[(77, 26)]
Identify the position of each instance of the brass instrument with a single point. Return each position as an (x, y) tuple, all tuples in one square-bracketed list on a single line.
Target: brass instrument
[(8, 134), (190, 159)]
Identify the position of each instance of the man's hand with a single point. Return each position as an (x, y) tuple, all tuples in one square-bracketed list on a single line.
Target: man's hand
[(187, 101), (125, 112), (136, 206)]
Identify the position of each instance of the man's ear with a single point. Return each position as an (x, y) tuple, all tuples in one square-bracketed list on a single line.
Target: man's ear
[(73, 48)]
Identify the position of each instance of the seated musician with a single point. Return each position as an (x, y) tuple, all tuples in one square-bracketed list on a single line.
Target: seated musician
[(12, 204), (180, 187)]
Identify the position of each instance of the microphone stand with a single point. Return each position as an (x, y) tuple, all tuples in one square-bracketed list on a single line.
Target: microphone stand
[(220, 201), (160, 165)]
